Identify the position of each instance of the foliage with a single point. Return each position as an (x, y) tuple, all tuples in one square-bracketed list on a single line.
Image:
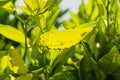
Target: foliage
[(32, 47)]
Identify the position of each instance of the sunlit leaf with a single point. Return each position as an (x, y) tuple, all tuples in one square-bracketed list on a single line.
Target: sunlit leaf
[(24, 9), (9, 7), (35, 32), (60, 39), (42, 4), (89, 7), (32, 5), (12, 33), (68, 24), (3, 63), (24, 77), (17, 64), (78, 56), (43, 22), (53, 56), (52, 18), (101, 8), (63, 38), (95, 13), (75, 18)]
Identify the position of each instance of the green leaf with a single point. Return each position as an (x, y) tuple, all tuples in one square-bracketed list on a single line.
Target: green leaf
[(75, 18), (62, 58), (12, 33), (2, 0), (110, 62), (52, 18), (32, 4), (89, 7), (17, 64), (101, 8), (95, 13), (3, 63), (53, 2), (61, 39), (24, 77), (24, 9), (42, 22), (53, 56), (68, 24), (63, 76), (42, 4), (9, 7)]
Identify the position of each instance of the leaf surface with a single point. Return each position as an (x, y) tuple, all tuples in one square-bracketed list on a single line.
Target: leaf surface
[(61, 39), (17, 64), (9, 7), (12, 33), (110, 62), (24, 77)]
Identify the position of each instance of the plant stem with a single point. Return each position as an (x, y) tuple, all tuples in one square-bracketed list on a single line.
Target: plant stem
[(25, 30), (19, 18), (108, 19)]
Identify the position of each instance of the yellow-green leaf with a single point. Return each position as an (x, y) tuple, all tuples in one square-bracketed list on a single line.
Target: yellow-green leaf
[(75, 18), (17, 64), (89, 7), (24, 9), (61, 39), (9, 7), (3, 63), (43, 22), (25, 77), (32, 4), (2, 0), (42, 4), (68, 24), (95, 13), (12, 33)]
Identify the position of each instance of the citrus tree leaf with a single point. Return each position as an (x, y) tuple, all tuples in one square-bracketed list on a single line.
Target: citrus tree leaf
[(12, 33), (52, 18), (53, 1), (32, 4), (53, 56), (9, 7), (42, 4), (95, 13), (24, 9), (24, 77), (17, 64), (61, 39), (68, 24), (3, 63), (75, 18), (110, 62), (89, 7)]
